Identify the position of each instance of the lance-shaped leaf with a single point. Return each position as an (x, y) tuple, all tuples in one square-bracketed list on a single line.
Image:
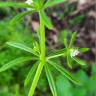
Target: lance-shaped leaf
[(31, 74), (20, 16), (82, 50), (15, 62), (79, 61), (57, 53), (50, 80), (69, 60), (46, 20), (50, 3), (65, 43), (72, 39), (14, 4), (22, 47), (64, 72)]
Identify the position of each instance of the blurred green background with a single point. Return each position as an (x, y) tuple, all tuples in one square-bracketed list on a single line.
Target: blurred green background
[(68, 17)]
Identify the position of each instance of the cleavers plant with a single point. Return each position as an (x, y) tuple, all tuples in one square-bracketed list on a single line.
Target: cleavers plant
[(39, 50)]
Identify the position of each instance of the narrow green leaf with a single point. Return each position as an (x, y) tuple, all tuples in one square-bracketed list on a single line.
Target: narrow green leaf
[(50, 80), (46, 20), (82, 50), (14, 4), (22, 47), (31, 74), (64, 72), (14, 63), (57, 53), (36, 78), (50, 3), (79, 61), (20, 16), (72, 39), (69, 61), (65, 43)]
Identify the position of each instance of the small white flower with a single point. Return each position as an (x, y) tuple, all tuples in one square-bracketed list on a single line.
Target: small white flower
[(29, 2), (74, 52)]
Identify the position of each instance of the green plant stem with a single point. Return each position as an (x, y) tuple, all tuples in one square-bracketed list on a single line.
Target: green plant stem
[(55, 56), (42, 58)]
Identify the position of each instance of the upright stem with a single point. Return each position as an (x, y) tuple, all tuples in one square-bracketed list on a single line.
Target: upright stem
[(42, 58)]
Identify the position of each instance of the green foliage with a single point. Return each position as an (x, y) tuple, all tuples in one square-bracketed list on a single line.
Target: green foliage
[(12, 4), (64, 87), (46, 20), (64, 72), (73, 51), (63, 36), (69, 60), (50, 3), (81, 62), (50, 80), (72, 39), (20, 16), (5, 91), (13, 34), (82, 50), (31, 74), (38, 53), (22, 47), (56, 53), (14, 63)]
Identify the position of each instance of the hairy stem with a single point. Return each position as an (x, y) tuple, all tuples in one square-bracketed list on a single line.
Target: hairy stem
[(42, 58)]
